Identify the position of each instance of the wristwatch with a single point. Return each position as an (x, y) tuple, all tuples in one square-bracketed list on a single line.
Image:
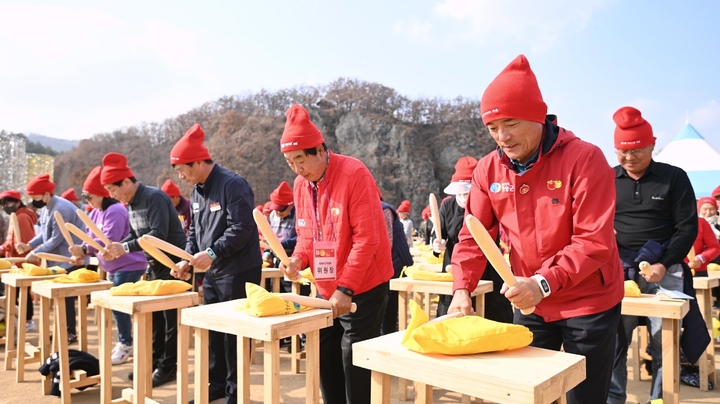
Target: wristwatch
[(544, 286), (346, 291), (126, 247), (211, 253)]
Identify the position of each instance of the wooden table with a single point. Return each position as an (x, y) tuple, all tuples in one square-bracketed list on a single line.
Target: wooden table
[(18, 285), (54, 294), (406, 285), (526, 375), (703, 293), (272, 273), (222, 317), (671, 312), (141, 309)]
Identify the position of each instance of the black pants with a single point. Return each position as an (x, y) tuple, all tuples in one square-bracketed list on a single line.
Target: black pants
[(340, 381), (222, 359), (592, 336), (164, 327)]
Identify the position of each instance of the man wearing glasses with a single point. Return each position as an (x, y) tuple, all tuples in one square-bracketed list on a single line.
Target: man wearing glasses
[(655, 221)]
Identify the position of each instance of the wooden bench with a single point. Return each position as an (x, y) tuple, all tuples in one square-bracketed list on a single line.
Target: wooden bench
[(222, 317), (141, 309), (526, 375), (703, 293)]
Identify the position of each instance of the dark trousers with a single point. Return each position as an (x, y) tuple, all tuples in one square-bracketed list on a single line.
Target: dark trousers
[(222, 359), (592, 336), (340, 381), (164, 327), (30, 306)]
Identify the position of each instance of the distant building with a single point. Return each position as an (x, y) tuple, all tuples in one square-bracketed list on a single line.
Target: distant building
[(18, 167)]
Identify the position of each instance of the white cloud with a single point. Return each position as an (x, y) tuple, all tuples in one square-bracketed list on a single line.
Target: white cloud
[(414, 28)]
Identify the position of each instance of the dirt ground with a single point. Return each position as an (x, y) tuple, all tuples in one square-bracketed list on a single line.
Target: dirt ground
[(292, 387)]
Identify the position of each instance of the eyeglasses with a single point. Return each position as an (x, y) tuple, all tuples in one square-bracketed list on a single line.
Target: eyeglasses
[(87, 197), (633, 152)]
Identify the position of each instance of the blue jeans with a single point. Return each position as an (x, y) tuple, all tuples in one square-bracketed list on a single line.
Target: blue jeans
[(122, 320), (618, 384)]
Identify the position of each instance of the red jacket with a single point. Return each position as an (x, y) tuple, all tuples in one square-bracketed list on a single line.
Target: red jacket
[(559, 218), (26, 219), (364, 258), (705, 245)]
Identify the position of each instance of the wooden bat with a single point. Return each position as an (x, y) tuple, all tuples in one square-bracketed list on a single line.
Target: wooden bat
[(63, 229), (14, 260), (16, 227), (93, 227), (270, 237), (53, 257), (312, 301), (83, 236), (691, 254), (645, 268), (435, 214), (493, 253), (158, 255), (163, 245), (457, 314)]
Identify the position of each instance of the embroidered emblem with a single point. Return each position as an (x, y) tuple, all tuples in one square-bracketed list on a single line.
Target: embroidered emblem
[(301, 222), (554, 184), (524, 189), (335, 211)]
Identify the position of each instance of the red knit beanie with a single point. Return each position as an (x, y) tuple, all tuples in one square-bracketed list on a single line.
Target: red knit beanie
[(716, 192), (281, 197), (69, 195), (404, 207), (92, 184), (704, 200), (300, 133), (464, 169), (190, 147), (115, 169), (39, 185), (426, 213), (514, 93), (632, 130), (170, 188), (12, 194)]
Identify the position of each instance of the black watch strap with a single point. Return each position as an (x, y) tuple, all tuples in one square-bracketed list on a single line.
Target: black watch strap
[(346, 291)]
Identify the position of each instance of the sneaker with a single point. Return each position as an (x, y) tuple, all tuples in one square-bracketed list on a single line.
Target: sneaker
[(121, 353), (72, 338), (30, 326)]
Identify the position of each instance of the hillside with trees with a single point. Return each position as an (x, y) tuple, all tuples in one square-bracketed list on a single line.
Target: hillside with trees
[(410, 146)]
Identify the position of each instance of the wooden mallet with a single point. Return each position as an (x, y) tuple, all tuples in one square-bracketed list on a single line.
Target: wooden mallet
[(93, 227), (16, 227), (435, 214), (83, 236), (159, 255), (645, 268), (63, 228), (270, 237), (456, 314), (53, 257), (163, 245), (493, 253), (312, 301)]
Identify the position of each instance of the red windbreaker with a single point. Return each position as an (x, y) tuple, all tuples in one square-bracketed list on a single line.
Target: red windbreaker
[(355, 217), (559, 218), (705, 245)]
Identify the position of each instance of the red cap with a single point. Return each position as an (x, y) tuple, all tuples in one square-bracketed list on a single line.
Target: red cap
[(11, 193), (632, 130), (281, 197), (266, 208), (300, 133), (464, 169), (190, 147), (716, 192), (69, 195), (115, 169), (706, 199), (170, 188), (92, 184), (404, 207), (426, 213), (39, 185), (514, 93)]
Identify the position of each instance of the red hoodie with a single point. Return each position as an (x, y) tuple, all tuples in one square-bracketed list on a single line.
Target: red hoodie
[(354, 216), (559, 218), (26, 219)]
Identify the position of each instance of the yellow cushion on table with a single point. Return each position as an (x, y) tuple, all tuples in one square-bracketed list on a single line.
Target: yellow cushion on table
[(716, 327), (157, 287), (261, 303), (307, 276), (266, 264), (82, 275), (632, 289), (713, 267), (4, 264), (463, 335), (420, 274), (34, 270)]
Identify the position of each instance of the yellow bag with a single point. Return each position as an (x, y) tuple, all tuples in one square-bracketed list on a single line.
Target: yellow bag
[(82, 275), (716, 327), (4, 264), (261, 303), (713, 267), (420, 274), (463, 335), (157, 287), (266, 264), (307, 276), (632, 289), (34, 270), (430, 258)]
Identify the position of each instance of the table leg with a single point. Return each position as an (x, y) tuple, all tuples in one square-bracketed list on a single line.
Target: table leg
[(294, 340), (402, 324), (45, 340), (10, 351), (379, 388), (480, 305), (105, 325), (183, 346), (671, 360), (275, 285), (271, 377), (63, 350), (202, 382), (312, 367), (706, 363), (143, 351), (427, 303), (244, 345), (423, 393), (148, 320), (22, 314), (82, 322)]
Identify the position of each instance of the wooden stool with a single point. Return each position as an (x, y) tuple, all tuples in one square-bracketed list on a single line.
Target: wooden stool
[(418, 288), (706, 363), (18, 284), (141, 309), (222, 317), (54, 294)]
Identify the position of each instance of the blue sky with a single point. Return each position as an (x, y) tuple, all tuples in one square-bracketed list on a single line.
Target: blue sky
[(85, 67)]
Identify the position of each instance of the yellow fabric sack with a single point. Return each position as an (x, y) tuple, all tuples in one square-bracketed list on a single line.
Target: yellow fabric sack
[(632, 289), (716, 327), (82, 275), (307, 276), (713, 267), (4, 264), (420, 274), (34, 270), (261, 303), (266, 264), (157, 287), (463, 335)]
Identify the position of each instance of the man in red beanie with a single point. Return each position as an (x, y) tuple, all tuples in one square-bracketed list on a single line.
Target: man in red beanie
[(50, 240), (151, 212), (338, 209), (716, 193), (282, 221), (656, 221), (554, 196), (404, 211), (71, 196), (182, 204), (224, 243)]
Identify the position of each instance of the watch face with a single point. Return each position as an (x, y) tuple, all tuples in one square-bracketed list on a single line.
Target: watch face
[(545, 286)]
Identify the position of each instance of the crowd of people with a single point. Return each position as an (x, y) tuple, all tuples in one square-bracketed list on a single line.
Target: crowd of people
[(575, 230)]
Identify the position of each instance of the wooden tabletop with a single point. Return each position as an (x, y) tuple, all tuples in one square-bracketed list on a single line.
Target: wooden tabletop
[(52, 290), (144, 304)]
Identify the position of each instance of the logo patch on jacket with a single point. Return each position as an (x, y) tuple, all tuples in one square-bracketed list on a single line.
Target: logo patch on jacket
[(496, 187), (214, 207), (554, 184), (335, 211), (301, 222)]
